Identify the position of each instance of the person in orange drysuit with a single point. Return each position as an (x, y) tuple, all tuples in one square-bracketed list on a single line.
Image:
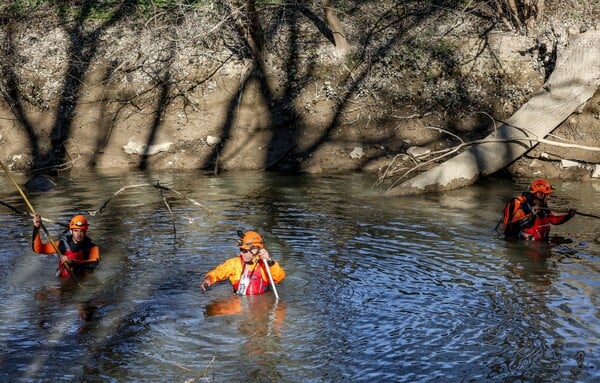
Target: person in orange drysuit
[(247, 272), (77, 249), (528, 217)]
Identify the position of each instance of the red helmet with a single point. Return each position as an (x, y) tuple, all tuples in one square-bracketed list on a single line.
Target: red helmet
[(251, 239), (540, 186), (78, 222)]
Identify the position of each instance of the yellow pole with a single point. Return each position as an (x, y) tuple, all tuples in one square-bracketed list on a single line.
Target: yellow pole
[(32, 211)]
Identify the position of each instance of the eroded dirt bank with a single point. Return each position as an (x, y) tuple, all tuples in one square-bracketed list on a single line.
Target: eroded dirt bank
[(133, 94)]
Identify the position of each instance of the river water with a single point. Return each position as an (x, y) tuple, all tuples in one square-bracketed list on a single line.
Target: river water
[(411, 289)]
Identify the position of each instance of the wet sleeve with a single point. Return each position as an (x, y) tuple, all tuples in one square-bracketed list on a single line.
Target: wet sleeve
[(35, 236), (94, 254), (277, 272), (38, 246), (223, 271), (559, 219)]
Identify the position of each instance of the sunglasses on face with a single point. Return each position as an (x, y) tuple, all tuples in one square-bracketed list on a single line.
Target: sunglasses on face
[(248, 250)]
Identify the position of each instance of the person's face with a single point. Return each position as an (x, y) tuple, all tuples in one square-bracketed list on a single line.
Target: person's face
[(248, 254), (78, 235), (540, 197)]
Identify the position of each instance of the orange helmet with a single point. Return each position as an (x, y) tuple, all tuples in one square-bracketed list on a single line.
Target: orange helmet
[(78, 222), (540, 186), (251, 239)]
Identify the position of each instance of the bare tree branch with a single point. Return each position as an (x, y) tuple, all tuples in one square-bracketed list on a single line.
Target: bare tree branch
[(157, 186), (442, 154)]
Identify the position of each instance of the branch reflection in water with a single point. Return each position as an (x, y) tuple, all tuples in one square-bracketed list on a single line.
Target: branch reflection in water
[(416, 289)]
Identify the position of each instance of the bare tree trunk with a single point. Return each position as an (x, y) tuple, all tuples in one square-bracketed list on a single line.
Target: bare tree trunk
[(254, 31), (514, 12), (533, 11), (502, 15), (339, 38), (575, 79)]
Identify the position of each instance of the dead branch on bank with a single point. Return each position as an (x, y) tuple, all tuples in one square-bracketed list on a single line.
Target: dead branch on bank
[(439, 155)]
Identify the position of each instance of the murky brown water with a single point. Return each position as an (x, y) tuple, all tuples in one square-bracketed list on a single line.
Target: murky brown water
[(404, 290)]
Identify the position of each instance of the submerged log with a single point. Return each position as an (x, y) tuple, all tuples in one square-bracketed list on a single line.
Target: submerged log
[(575, 79)]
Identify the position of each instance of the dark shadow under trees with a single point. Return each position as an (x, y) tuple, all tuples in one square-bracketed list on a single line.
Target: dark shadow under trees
[(383, 45)]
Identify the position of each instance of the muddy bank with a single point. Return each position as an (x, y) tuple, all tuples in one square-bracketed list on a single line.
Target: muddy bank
[(132, 94)]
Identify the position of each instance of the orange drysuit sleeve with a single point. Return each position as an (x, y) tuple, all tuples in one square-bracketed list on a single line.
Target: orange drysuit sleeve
[(48, 248), (232, 269)]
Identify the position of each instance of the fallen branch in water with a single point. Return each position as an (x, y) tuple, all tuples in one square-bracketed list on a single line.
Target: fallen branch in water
[(29, 215), (15, 209), (162, 189), (202, 375), (170, 212), (157, 185), (99, 210)]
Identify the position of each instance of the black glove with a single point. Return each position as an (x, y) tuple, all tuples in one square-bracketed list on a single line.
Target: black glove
[(526, 222), (542, 213)]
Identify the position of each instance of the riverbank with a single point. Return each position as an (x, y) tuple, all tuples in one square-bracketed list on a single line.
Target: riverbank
[(125, 93)]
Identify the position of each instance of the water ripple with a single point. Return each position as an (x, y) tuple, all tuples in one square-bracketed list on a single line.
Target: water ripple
[(402, 290)]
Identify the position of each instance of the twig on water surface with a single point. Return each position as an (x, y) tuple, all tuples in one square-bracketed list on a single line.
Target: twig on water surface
[(162, 189), (157, 185), (182, 367), (170, 211), (202, 375), (29, 215), (99, 210)]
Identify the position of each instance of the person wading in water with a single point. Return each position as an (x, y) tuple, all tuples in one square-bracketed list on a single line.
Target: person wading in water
[(77, 249), (247, 272), (528, 216)]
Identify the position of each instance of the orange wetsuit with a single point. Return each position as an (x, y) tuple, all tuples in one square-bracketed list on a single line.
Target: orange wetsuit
[(253, 275), (84, 255), (520, 222)]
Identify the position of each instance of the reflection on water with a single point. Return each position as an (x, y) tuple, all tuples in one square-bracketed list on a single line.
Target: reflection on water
[(416, 289)]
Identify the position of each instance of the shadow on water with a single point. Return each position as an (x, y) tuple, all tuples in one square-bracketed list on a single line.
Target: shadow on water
[(405, 290)]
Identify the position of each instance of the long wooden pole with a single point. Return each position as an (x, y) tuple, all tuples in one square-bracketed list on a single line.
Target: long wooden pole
[(32, 210), (588, 215), (575, 212)]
